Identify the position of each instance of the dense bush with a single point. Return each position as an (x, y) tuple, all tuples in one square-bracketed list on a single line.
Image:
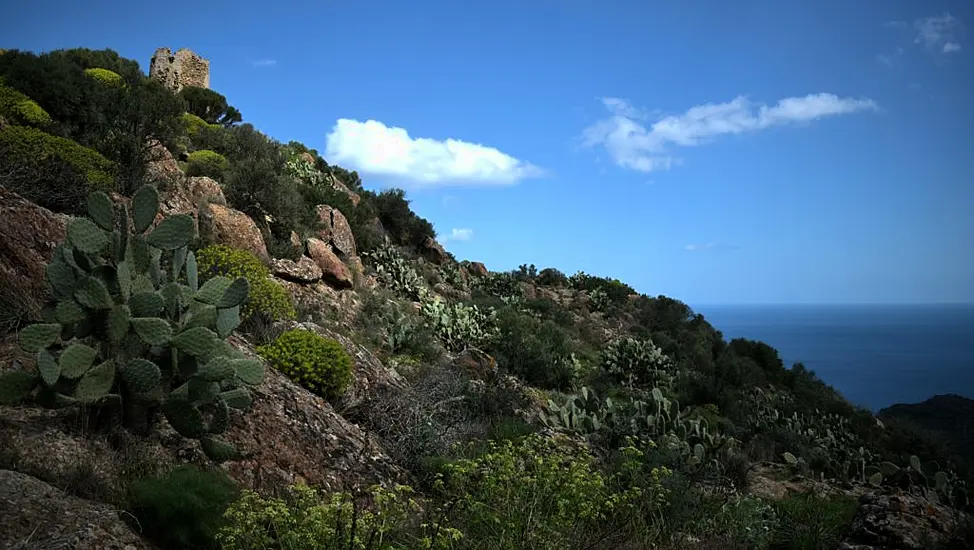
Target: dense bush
[(207, 163), (538, 351), (116, 121), (267, 298), (312, 519), (638, 363), (530, 494), (458, 325), (192, 124), (183, 508), (808, 522), (106, 77), (397, 330), (404, 226), (17, 108), (550, 276), (51, 171), (319, 364)]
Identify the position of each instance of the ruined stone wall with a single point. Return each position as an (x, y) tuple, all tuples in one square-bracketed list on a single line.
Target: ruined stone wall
[(180, 69)]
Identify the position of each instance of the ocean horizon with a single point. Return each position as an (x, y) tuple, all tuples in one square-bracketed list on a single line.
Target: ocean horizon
[(876, 355)]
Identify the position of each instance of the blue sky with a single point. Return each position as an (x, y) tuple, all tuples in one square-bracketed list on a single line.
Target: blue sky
[(716, 152)]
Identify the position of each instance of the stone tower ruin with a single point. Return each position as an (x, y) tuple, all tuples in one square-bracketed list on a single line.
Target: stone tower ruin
[(180, 69)]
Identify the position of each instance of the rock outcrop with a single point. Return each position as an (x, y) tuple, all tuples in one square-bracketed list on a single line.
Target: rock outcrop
[(161, 169), (336, 231), (334, 271), (903, 522), (434, 251), (305, 270), (28, 236), (190, 195), (220, 224), (34, 514), (478, 269)]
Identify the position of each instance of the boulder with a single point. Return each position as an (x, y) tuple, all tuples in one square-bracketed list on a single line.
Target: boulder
[(307, 157), (161, 169), (28, 236), (190, 194), (305, 270), (336, 231), (338, 184), (475, 364), (434, 251), (478, 269), (34, 514), (223, 225), (904, 522), (333, 271)]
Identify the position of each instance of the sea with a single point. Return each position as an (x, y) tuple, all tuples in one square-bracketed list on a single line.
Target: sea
[(875, 355)]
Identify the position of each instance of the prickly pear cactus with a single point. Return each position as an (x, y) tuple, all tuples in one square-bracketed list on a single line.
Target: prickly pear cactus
[(133, 327)]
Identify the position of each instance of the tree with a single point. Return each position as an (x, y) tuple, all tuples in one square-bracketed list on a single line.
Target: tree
[(210, 106)]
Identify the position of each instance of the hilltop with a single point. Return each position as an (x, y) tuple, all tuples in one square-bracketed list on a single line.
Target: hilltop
[(213, 339)]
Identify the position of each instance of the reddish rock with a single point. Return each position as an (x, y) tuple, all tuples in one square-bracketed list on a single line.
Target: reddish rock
[(28, 236), (336, 231), (434, 251), (307, 157), (334, 272), (223, 225), (475, 364), (479, 269)]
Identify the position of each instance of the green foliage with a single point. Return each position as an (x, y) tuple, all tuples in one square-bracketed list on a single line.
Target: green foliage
[(192, 124), (638, 363), (608, 294), (183, 508), (319, 364), (207, 163), (210, 106), (540, 352), (745, 520), (128, 332), (530, 494), (312, 519), (117, 121), (397, 330), (17, 108), (106, 77), (33, 147), (404, 226), (267, 298), (397, 274), (458, 325), (498, 285), (807, 522), (550, 276)]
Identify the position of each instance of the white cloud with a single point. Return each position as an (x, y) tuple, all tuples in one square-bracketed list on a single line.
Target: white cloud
[(633, 145), (374, 148), (938, 33), (890, 59), (695, 247), (264, 63), (458, 234)]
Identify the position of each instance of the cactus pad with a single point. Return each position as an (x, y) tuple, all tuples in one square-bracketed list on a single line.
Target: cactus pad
[(96, 383), (87, 237), (141, 375), (172, 233), (154, 331), (76, 360), (183, 417), (145, 205), (39, 336), (101, 210)]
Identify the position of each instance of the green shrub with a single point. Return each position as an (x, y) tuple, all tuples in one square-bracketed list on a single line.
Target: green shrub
[(36, 147), (319, 364), (532, 493), (106, 77), (312, 519), (808, 522), (458, 325), (539, 352), (183, 508), (550, 276), (404, 226), (396, 330), (207, 163), (267, 298), (192, 124), (17, 108), (638, 363)]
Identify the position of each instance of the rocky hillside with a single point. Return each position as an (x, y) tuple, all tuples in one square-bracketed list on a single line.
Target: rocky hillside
[(212, 339)]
